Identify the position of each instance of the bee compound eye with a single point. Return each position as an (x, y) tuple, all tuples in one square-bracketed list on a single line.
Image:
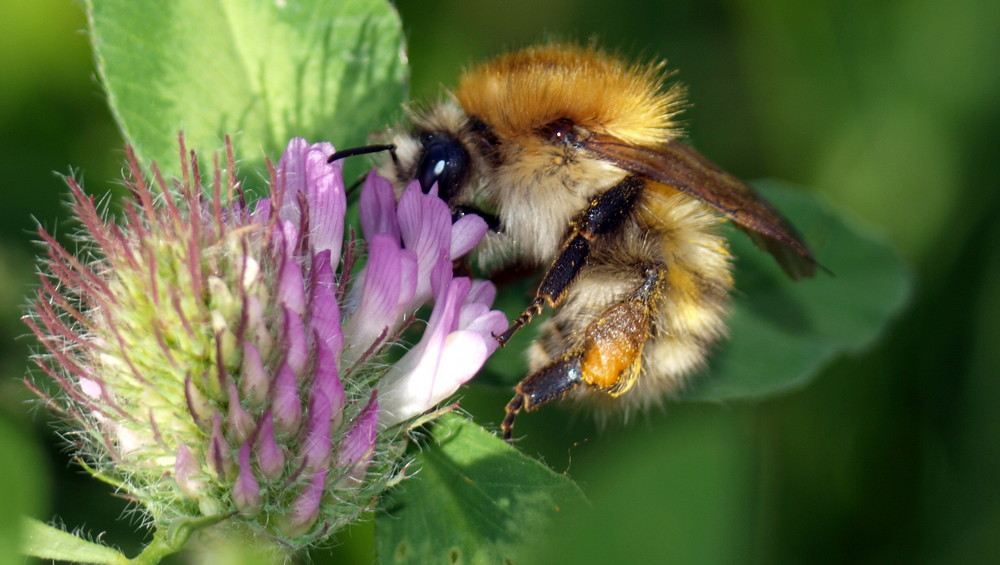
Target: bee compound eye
[(559, 131), (444, 161)]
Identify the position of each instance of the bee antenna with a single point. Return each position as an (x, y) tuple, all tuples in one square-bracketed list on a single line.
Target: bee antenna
[(363, 150)]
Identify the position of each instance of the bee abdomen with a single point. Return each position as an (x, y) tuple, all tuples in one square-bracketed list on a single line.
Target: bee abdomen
[(684, 311)]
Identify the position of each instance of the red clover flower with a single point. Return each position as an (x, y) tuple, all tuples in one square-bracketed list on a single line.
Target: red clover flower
[(215, 358)]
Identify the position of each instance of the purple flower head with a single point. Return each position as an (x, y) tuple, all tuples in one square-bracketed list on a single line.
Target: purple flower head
[(218, 357)]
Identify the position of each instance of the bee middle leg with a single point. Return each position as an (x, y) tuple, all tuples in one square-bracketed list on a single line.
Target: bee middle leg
[(607, 358), (604, 215)]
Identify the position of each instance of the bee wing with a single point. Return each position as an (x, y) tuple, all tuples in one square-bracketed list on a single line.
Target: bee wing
[(681, 167)]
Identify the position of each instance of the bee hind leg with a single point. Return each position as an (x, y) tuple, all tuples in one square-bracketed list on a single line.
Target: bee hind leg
[(608, 359), (541, 387)]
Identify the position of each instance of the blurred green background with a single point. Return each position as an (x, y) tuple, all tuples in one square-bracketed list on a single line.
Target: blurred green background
[(889, 109)]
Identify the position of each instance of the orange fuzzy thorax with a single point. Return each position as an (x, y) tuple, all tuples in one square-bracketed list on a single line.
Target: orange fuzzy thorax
[(520, 92)]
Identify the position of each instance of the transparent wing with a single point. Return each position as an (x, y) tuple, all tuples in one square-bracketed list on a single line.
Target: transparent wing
[(681, 167)]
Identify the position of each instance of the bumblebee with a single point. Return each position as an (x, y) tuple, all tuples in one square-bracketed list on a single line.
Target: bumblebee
[(572, 156)]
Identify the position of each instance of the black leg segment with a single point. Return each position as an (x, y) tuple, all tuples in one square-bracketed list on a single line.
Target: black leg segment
[(550, 383), (605, 214)]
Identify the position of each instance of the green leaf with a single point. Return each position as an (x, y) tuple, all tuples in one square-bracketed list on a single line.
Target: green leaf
[(47, 542), (22, 480), (677, 495), (260, 71), (783, 331), (475, 499)]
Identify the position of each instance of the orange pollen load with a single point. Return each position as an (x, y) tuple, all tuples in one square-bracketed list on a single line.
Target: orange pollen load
[(613, 346)]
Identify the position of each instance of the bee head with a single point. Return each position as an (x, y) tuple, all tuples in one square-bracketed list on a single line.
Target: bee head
[(443, 160)]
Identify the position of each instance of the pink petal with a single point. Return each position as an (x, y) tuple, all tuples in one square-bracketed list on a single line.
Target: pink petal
[(358, 445), (89, 387), (425, 227), (386, 286), (326, 199), (417, 382), (261, 211), (187, 473), (286, 407), (466, 233), (317, 444), (488, 325), (377, 208), (239, 422), (286, 239), (290, 291), (218, 449), (254, 381), (296, 344), (457, 341), (482, 291), (462, 355), (270, 456), (305, 509), (293, 175), (291, 178), (327, 381), (246, 490), (324, 311)]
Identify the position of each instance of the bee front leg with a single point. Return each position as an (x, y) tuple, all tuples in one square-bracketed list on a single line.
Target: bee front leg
[(605, 214), (608, 358)]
